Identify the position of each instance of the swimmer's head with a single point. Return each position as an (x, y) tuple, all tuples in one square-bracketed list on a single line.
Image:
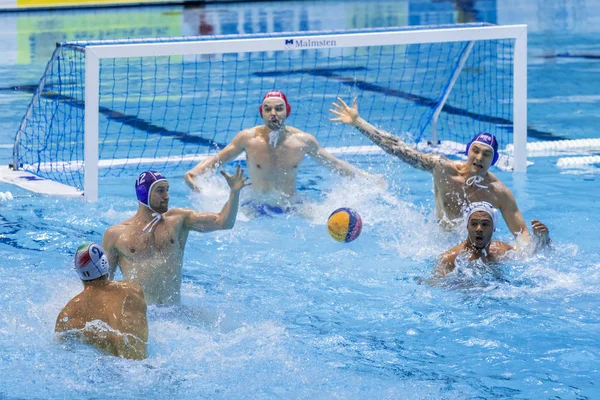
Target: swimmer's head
[(90, 262), (486, 144), (274, 109), (481, 218), (144, 185)]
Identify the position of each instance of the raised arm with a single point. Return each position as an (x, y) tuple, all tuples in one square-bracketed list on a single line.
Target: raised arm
[(230, 152), (206, 222), (512, 216), (388, 142), (323, 157)]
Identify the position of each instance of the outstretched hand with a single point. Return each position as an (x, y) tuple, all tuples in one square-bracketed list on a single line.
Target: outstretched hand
[(540, 232), (345, 114), (237, 181)]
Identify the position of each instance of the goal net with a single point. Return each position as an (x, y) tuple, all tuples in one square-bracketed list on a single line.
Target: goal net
[(109, 108)]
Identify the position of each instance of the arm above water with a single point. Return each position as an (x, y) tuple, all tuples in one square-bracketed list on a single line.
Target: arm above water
[(512, 216), (388, 142), (230, 152), (323, 157), (445, 263), (225, 219)]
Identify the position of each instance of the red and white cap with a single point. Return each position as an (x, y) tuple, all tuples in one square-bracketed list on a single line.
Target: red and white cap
[(279, 95), (90, 261)]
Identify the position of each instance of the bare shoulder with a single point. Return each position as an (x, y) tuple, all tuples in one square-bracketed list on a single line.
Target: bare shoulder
[(305, 138), (447, 166), (445, 262), (497, 187), (493, 180), (297, 133), (247, 134), (448, 257), (69, 316), (179, 212), (177, 217), (119, 228), (499, 249), (129, 288)]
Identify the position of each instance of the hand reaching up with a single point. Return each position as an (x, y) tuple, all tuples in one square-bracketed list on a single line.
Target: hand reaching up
[(345, 114), (237, 181)]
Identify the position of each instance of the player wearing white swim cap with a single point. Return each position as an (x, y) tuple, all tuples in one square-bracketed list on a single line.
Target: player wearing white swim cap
[(90, 262), (481, 219), (110, 315), (455, 183)]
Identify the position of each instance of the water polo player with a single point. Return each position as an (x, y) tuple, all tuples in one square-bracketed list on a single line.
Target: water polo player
[(110, 315), (456, 184), (481, 221), (148, 247), (274, 151)]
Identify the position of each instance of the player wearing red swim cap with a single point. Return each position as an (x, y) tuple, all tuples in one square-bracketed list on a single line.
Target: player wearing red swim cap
[(274, 151)]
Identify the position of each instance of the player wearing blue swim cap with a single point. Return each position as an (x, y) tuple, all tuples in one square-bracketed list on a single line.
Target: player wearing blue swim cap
[(456, 184), (149, 246), (143, 188), (488, 140)]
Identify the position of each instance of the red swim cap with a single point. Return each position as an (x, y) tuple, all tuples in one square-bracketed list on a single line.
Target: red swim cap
[(277, 94)]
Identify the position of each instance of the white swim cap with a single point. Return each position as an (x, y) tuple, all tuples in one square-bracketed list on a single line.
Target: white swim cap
[(90, 261), (486, 208)]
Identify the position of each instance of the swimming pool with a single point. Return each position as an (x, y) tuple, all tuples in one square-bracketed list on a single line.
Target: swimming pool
[(276, 309)]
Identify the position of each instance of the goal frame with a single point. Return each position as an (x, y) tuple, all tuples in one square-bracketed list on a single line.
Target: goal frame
[(94, 53)]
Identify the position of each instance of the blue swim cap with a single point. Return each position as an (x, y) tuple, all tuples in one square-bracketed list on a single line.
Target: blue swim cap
[(488, 140), (144, 183)]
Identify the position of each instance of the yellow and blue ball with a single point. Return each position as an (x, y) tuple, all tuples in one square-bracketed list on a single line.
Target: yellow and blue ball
[(344, 225)]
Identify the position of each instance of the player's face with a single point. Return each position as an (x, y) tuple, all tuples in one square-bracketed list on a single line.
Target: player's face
[(481, 229), (274, 113), (480, 157), (159, 198)]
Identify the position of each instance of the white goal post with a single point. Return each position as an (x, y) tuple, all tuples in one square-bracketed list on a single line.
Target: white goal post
[(94, 53), (111, 108)]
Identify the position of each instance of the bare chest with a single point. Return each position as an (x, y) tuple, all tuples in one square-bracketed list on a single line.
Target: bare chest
[(141, 245), (456, 194), (283, 159)]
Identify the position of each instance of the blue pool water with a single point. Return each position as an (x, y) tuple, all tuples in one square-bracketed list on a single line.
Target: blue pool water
[(275, 308)]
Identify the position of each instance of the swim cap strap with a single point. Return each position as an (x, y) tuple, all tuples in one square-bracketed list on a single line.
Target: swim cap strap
[(274, 137), (157, 217), (475, 180)]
